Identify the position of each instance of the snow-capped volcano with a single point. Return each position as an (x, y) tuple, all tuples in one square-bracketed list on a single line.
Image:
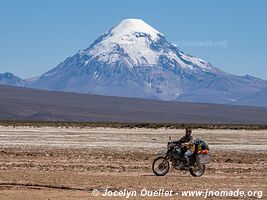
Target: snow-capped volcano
[(133, 59), (139, 44)]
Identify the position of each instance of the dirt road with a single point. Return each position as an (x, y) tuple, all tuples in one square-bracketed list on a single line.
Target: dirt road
[(69, 163)]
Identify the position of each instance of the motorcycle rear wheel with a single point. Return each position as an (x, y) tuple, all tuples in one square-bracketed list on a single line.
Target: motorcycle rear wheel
[(160, 166), (197, 171)]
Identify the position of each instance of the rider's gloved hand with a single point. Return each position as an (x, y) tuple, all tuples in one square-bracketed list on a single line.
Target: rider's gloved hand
[(171, 144)]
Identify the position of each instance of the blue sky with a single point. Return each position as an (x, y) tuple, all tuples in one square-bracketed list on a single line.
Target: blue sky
[(36, 35)]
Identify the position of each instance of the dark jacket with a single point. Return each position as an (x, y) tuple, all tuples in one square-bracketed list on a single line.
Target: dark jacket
[(184, 139)]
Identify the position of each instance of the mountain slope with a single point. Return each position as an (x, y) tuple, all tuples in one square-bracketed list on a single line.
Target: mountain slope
[(228, 89), (258, 99)]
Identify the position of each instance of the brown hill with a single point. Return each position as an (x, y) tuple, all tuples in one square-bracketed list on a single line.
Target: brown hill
[(31, 104)]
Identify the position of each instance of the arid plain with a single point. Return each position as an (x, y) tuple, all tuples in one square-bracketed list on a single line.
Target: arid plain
[(69, 163)]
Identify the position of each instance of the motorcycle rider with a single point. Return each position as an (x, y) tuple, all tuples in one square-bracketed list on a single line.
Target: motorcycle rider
[(189, 146), (186, 138)]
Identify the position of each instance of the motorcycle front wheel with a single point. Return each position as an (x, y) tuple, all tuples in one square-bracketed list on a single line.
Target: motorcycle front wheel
[(160, 166)]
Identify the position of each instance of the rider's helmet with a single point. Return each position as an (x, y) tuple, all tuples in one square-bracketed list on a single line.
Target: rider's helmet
[(188, 132)]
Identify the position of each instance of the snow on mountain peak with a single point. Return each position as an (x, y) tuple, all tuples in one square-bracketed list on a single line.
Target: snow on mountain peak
[(130, 26), (129, 40), (136, 43)]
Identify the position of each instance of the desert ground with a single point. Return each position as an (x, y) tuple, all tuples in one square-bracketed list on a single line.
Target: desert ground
[(71, 163)]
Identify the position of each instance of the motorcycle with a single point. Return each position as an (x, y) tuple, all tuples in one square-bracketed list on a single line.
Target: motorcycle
[(175, 156)]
